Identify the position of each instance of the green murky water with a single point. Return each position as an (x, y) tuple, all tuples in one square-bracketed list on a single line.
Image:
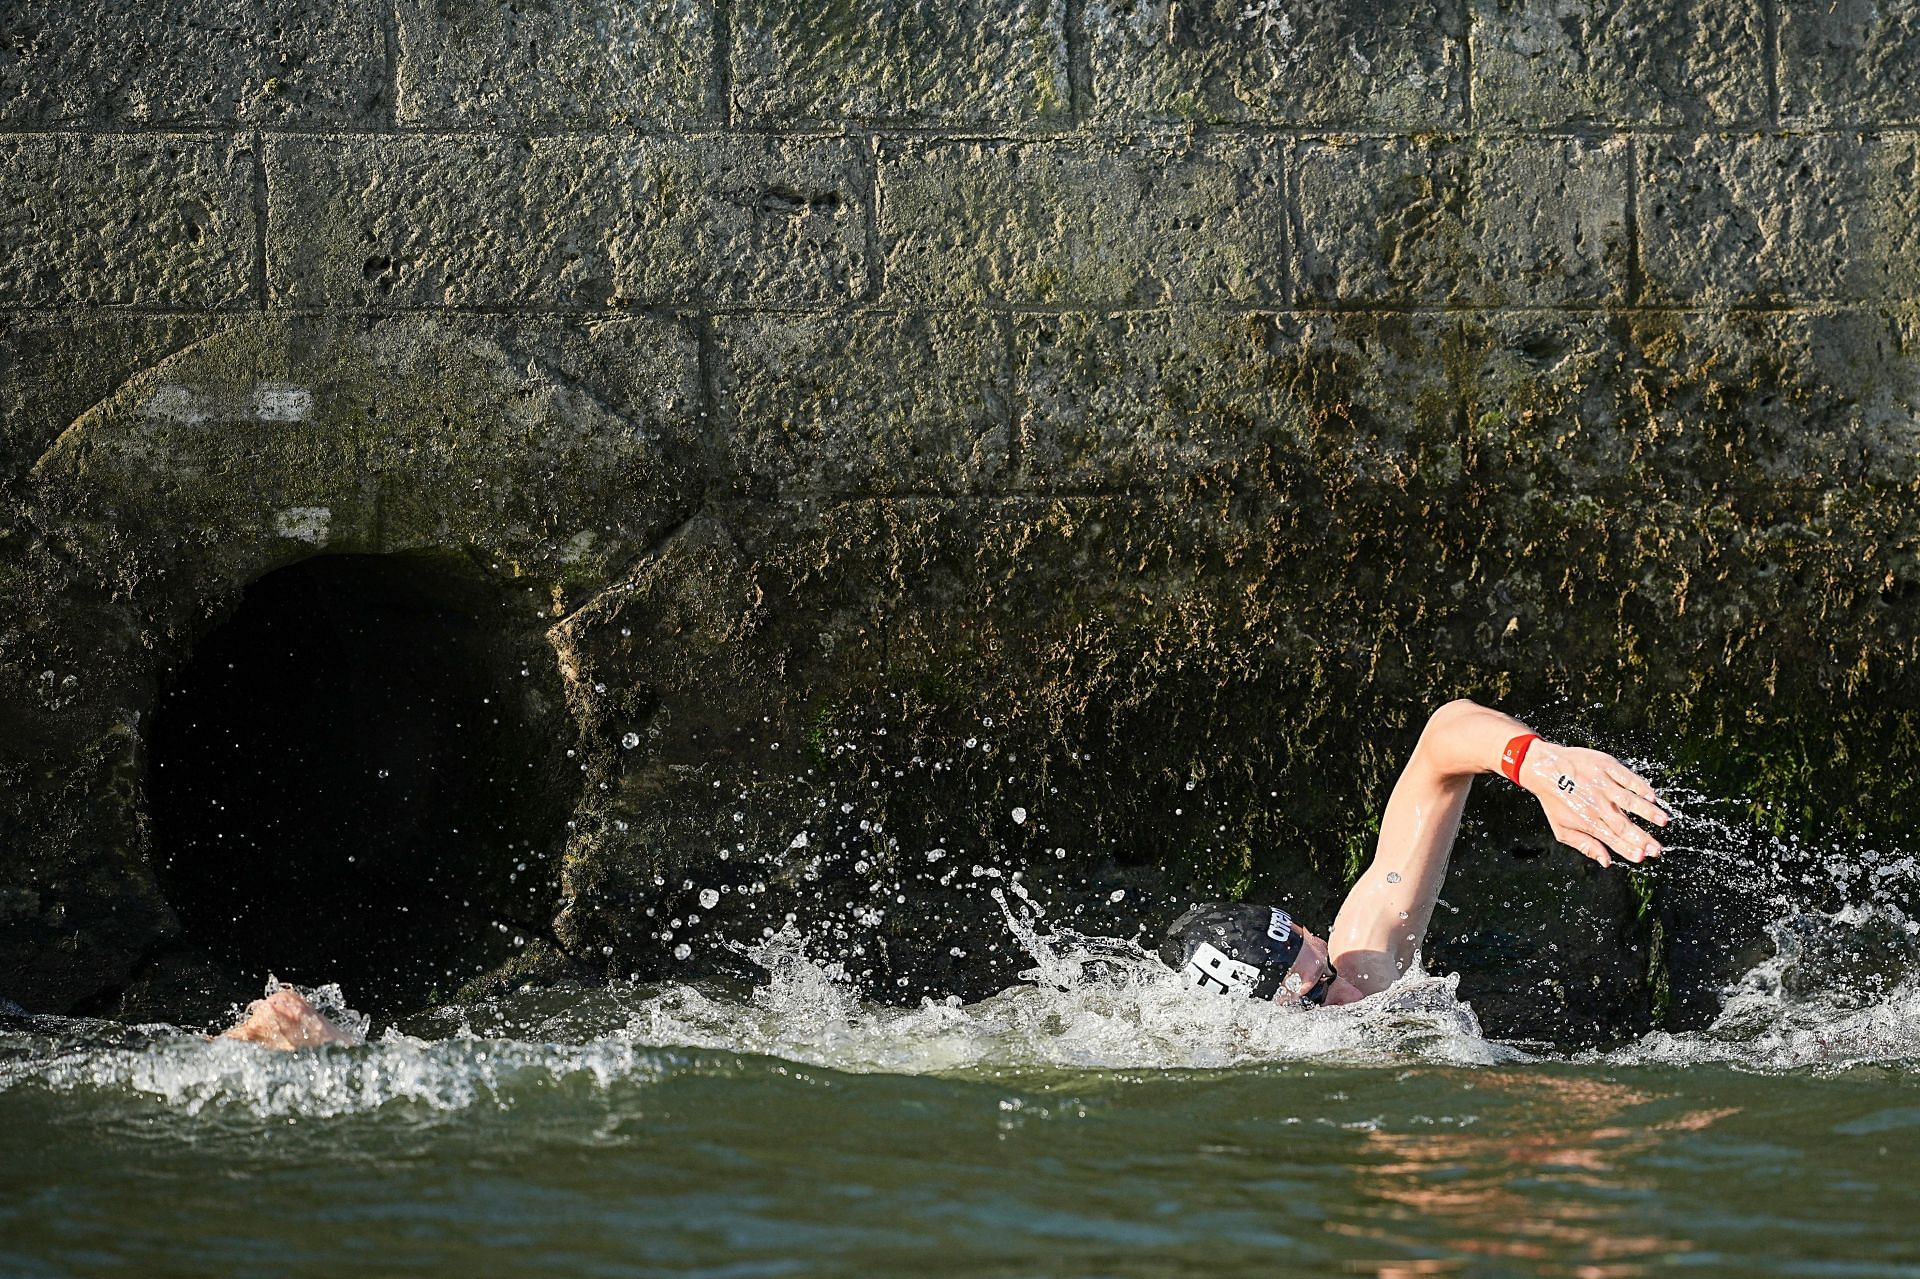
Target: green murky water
[(1099, 1122)]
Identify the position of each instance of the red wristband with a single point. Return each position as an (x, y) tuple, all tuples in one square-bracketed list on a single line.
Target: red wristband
[(1515, 754)]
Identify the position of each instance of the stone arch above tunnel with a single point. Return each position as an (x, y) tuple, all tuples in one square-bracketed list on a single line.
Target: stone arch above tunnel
[(533, 469), (556, 456)]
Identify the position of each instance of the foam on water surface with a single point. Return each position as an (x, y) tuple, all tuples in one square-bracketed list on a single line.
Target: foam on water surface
[(1840, 990), (1088, 1004)]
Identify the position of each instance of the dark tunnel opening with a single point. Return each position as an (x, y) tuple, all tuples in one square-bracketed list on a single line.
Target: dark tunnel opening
[(361, 778)]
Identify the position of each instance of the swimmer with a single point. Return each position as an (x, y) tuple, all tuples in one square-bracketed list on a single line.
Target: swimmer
[(1589, 797)]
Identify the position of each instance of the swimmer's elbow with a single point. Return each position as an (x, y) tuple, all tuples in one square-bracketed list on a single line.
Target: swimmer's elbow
[(1438, 741), (1450, 713)]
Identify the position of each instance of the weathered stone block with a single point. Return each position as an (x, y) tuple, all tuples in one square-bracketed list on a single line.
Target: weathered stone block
[(1314, 62), (911, 61), (868, 402), (1850, 62), (154, 220), (1143, 400), (1508, 220), (1645, 62), (168, 63), (463, 62), (1772, 219), (420, 220), (1084, 223)]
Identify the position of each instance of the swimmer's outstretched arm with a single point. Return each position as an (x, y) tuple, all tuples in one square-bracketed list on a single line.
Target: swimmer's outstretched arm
[(1587, 796)]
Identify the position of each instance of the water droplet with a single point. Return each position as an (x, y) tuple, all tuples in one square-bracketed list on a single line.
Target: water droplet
[(1403, 914), (709, 899), (1019, 817), (385, 773), (1393, 877), (682, 951), (1117, 895), (972, 742), (630, 741)]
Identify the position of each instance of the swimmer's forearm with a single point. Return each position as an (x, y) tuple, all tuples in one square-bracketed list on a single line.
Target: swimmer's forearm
[(1385, 916)]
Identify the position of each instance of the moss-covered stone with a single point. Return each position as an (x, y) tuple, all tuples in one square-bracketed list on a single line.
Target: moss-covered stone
[(1296, 62), (1649, 62), (926, 452), (862, 403), (978, 63), (1074, 223), (461, 62), (154, 220)]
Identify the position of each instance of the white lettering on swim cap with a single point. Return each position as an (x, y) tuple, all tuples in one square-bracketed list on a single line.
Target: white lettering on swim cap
[(1210, 969), (1280, 927)]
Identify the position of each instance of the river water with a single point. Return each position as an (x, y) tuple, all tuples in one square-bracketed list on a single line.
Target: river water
[(1096, 1120)]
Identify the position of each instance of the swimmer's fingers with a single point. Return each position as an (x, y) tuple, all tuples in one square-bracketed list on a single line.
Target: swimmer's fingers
[(1587, 846), (1625, 802), (1622, 836), (1594, 823), (1650, 806)]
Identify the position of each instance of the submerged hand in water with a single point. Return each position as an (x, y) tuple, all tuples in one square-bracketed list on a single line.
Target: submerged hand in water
[(286, 1021)]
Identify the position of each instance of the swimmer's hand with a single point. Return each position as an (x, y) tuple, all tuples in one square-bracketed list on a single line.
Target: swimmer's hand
[(285, 1020), (1590, 799)]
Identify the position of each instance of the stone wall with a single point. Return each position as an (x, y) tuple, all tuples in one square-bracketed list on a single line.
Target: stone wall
[(1199, 391)]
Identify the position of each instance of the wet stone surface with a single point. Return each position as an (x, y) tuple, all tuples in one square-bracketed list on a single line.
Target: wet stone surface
[(1303, 62), (425, 220), (583, 62), (1646, 62), (984, 62)]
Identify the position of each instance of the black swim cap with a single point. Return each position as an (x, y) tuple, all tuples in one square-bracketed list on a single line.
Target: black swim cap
[(1233, 948)]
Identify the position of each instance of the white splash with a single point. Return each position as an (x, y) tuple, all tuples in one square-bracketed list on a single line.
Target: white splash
[(1839, 990)]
